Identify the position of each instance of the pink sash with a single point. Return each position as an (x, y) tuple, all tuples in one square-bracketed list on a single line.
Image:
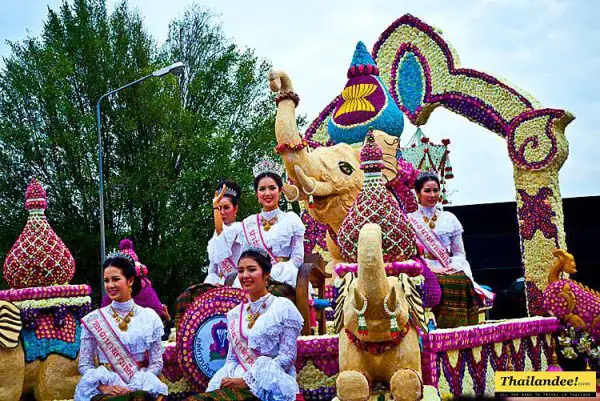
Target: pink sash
[(239, 341), (227, 267), (117, 355), (431, 241), (255, 238)]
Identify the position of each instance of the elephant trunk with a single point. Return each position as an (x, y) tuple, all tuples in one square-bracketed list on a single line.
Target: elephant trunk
[(311, 186), (372, 280), (286, 129)]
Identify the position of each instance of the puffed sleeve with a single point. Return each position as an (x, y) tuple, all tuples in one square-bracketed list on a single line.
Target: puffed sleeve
[(458, 259), (220, 246), (269, 378), (146, 379)]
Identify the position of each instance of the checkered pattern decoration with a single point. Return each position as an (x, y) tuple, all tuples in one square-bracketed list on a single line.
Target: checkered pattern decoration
[(39, 257), (375, 204)]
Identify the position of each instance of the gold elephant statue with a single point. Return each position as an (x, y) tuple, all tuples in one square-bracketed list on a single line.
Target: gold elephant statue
[(380, 343), (330, 174), (52, 379)]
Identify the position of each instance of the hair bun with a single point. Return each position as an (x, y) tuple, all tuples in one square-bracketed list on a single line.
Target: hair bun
[(125, 243)]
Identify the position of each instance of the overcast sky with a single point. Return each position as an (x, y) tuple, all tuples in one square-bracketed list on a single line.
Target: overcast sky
[(549, 48)]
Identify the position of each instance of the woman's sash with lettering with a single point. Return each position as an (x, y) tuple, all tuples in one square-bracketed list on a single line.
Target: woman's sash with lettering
[(431, 241), (254, 236), (226, 267), (117, 355), (239, 341)]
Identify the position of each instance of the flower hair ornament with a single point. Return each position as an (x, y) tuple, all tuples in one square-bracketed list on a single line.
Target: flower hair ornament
[(363, 330), (267, 165)]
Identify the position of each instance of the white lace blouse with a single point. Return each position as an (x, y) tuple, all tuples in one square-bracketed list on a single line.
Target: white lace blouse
[(143, 335), (285, 239), (221, 247), (273, 337)]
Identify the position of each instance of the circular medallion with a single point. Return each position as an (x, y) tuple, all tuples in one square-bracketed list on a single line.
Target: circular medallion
[(202, 343)]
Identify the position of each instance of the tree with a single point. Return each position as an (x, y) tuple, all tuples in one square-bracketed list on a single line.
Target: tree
[(166, 142)]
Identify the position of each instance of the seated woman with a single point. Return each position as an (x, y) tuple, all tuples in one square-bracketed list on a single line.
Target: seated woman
[(440, 234), (262, 334), (120, 335), (280, 234), (223, 250)]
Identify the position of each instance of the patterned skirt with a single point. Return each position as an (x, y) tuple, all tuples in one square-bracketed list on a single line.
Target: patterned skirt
[(459, 305), (135, 396), (225, 394)]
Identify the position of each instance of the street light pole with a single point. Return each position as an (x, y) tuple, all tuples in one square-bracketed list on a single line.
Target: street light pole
[(176, 69)]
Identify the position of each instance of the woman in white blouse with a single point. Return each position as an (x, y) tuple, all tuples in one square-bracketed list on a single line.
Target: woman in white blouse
[(440, 234), (262, 334)]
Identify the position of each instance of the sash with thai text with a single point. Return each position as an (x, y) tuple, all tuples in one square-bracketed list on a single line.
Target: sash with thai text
[(117, 355), (254, 237), (239, 341), (226, 267), (431, 241)]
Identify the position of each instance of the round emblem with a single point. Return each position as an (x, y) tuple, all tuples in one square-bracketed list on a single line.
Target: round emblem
[(202, 341)]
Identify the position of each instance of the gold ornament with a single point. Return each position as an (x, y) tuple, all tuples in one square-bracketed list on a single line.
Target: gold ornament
[(267, 224), (253, 317), (430, 222), (123, 322)]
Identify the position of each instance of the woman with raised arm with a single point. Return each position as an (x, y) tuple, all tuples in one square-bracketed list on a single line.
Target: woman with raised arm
[(121, 335), (440, 234), (262, 334), (224, 248)]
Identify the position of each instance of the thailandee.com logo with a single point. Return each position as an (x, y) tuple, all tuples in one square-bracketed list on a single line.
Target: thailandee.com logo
[(545, 384)]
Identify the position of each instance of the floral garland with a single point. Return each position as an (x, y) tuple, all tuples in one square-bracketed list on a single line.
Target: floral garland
[(574, 343), (55, 291), (286, 147), (381, 346), (412, 268), (51, 303), (293, 96), (171, 369), (35, 348)]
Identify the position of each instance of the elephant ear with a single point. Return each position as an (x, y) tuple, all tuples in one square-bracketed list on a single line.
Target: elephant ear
[(343, 293), (415, 303), (10, 325)]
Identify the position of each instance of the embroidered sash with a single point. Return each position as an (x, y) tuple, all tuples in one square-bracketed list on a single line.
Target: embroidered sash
[(117, 355), (254, 237), (226, 267), (239, 341), (431, 241)]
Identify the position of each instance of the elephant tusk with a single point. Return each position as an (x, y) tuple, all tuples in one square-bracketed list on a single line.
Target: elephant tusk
[(291, 192), (310, 186)]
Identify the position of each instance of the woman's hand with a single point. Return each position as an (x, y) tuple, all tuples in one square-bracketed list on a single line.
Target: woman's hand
[(113, 390), (218, 197), (235, 382), (449, 271)]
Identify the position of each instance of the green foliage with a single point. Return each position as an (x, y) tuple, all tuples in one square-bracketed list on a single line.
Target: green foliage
[(166, 141)]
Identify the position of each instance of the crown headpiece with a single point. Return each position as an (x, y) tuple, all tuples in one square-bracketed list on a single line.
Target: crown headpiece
[(230, 192), (267, 165), (120, 255), (428, 174), (257, 250)]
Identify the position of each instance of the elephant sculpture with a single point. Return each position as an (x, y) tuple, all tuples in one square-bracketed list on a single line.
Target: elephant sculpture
[(54, 378), (380, 343), (331, 175)]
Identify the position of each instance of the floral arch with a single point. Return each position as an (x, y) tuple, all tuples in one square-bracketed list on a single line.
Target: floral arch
[(422, 73)]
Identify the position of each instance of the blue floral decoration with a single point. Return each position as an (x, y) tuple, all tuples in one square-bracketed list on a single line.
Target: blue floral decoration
[(411, 85), (35, 348)]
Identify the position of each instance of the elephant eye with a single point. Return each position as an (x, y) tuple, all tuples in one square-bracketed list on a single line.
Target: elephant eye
[(346, 168)]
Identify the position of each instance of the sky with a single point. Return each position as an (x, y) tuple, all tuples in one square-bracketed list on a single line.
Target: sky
[(549, 48)]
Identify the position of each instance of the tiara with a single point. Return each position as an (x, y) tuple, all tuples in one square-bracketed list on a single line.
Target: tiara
[(428, 174), (257, 250), (120, 255), (267, 165), (230, 191)]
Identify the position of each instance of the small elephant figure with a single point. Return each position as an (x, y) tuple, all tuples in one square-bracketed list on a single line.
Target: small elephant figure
[(380, 342), (52, 379)]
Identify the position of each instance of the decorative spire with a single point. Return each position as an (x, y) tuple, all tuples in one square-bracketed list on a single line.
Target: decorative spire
[(374, 204), (39, 257), (365, 102)]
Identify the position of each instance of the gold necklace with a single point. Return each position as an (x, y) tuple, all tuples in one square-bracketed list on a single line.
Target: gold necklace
[(253, 317), (267, 224), (123, 322), (430, 221)]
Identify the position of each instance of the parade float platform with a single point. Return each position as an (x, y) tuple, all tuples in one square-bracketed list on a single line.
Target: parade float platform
[(456, 361)]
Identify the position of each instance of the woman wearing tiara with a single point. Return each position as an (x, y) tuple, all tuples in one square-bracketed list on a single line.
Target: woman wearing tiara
[(121, 335), (262, 334), (223, 249), (440, 234), (280, 234)]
